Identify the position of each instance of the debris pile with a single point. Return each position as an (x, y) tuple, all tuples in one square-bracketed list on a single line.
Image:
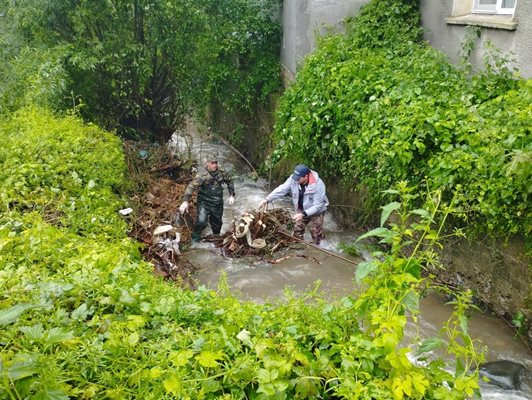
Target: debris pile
[(256, 233), (158, 181)]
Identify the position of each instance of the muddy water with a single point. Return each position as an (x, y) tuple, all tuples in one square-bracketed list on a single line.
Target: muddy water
[(305, 268)]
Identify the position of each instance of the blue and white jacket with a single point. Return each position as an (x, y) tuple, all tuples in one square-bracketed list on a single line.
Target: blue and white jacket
[(314, 200)]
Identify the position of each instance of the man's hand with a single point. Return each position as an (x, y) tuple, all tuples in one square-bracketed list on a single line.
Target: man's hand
[(183, 207), (231, 199), (263, 203), (298, 217)]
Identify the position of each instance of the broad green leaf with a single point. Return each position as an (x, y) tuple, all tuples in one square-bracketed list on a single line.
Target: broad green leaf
[(180, 358), (80, 313), (267, 388), (266, 376), (58, 335), (198, 343), (281, 386), (306, 388), (156, 372), (211, 385), (431, 344), (411, 301), (209, 359), (34, 332), (391, 191), (422, 212), (463, 323), (10, 315), (244, 337), (364, 269), (387, 210), (133, 339), (412, 267), (173, 384), (379, 232), (20, 370)]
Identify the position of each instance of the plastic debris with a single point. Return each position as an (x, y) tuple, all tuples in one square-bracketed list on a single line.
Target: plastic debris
[(126, 211), (162, 229)]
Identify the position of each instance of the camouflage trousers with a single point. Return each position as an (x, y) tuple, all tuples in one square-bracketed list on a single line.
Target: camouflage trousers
[(208, 214), (316, 227)]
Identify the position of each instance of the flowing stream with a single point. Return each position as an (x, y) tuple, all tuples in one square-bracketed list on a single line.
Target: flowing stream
[(300, 269)]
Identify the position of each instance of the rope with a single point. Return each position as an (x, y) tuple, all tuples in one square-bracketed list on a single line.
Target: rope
[(319, 248)]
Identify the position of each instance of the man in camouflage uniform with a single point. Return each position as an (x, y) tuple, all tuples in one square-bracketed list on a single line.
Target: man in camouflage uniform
[(210, 202)]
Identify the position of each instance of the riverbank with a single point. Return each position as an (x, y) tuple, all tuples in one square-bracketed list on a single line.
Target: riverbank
[(497, 270)]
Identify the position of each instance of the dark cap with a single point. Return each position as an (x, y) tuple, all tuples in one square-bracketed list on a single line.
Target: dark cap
[(300, 171)]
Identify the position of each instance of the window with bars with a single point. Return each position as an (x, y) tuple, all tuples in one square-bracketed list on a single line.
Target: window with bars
[(494, 6)]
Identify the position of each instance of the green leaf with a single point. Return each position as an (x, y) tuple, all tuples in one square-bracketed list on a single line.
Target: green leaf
[(391, 191), (411, 301), (209, 359), (173, 384), (463, 323), (80, 313), (306, 388), (58, 335), (34, 332), (180, 358), (431, 344), (244, 337), (379, 232), (364, 269), (387, 210), (22, 369), (10, 315), (422, 212)]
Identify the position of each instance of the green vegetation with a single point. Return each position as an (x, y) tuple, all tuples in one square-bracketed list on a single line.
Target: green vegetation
[(139, 66), (377, 105), (82, 316)]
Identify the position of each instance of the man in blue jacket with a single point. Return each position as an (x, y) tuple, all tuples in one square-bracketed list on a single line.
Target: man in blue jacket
[(310, 201)]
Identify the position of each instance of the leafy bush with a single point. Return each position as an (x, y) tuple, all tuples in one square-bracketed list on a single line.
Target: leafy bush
[(377, 105), (65, 170), (141, 65)]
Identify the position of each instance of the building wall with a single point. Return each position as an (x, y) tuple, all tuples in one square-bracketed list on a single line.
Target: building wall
[(448, 37), (303, 20)]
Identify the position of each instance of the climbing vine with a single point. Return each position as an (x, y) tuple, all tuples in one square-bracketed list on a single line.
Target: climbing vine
[(378, 105)]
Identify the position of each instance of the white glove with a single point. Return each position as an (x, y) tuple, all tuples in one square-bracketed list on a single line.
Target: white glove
[(183, 207), (231, 200), (298, 217), (263, 203)]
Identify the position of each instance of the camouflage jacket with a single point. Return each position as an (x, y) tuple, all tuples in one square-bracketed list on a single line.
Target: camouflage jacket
[(209, 186)]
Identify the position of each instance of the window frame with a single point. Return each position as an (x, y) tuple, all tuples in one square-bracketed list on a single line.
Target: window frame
[(495, 9)]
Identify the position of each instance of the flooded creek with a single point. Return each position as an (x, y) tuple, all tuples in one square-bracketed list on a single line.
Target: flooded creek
[(305, 268)]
